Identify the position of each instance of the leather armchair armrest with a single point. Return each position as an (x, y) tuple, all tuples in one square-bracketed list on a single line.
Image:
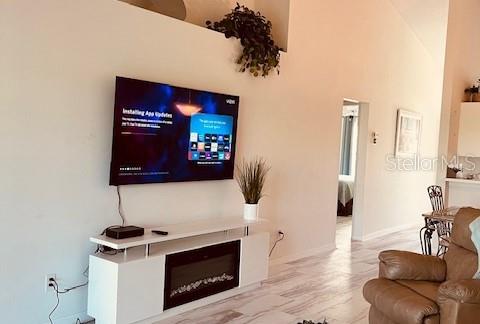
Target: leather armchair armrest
[(461, 291), (403, 265)]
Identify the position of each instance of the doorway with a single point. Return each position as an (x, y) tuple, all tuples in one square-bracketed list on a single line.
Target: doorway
[(353, 145)]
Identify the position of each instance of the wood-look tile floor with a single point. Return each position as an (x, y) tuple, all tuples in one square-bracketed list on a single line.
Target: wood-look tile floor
[(321, 286)]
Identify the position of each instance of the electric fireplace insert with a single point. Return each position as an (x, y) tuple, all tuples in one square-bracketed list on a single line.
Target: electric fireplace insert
[(195, 274)]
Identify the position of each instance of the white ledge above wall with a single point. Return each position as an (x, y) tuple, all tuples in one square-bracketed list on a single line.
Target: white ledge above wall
[(198, 12)]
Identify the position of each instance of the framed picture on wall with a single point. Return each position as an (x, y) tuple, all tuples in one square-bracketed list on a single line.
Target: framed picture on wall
[(407, 139)]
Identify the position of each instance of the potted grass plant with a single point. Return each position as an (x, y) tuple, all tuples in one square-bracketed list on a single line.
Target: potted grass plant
[(251, 176)]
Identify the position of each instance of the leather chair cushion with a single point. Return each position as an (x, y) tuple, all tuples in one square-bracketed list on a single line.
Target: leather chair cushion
[(395, 265), (461, 263), (461, 234), (402, 304), (427, 289), (377, 317), (463, 291)]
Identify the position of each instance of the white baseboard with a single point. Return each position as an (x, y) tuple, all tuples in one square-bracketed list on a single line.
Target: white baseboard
[(304, 254), (84, 318), (388, 231)]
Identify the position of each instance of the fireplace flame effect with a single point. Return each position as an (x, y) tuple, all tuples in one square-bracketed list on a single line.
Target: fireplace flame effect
[(199, 283)]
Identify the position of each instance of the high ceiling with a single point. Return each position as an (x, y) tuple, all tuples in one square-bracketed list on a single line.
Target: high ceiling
[(428, 19)]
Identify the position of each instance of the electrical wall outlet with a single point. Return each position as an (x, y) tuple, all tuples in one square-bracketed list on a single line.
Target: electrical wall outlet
[(48, 281)]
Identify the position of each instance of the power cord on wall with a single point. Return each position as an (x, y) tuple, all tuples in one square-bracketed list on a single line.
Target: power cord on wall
[(104, 249), (120, 207), (282, 236), (54, 284)]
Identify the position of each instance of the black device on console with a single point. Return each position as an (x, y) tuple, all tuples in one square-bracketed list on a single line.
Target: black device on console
[(123, 232)]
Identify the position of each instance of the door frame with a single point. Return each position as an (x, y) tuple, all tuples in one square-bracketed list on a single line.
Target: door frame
[(363, 139), (358, 209)]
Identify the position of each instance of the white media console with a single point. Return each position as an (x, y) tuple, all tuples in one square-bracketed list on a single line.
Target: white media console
[(142, 281)]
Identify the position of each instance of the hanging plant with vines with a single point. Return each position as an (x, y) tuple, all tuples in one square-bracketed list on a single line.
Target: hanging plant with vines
[(260, 54)]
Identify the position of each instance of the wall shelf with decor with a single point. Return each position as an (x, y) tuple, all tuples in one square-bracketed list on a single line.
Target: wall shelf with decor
[(464, 190)]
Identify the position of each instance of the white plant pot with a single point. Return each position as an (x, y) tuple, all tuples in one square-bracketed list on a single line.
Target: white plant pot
[(250, 211)]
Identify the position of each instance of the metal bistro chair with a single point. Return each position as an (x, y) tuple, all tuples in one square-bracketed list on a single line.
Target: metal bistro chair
[(443, 229)]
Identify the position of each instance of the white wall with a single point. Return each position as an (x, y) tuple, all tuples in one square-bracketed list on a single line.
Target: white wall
[(58, 63), (278, 12), (462, 69), (428, 20)]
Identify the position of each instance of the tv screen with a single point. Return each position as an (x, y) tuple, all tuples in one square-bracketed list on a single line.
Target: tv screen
[(163, 133)]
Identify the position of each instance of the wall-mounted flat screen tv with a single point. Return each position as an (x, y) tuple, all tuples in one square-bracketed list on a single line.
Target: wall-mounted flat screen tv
[(163, 133)]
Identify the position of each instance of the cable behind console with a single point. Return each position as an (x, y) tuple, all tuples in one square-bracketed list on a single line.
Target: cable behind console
[(120, 207)]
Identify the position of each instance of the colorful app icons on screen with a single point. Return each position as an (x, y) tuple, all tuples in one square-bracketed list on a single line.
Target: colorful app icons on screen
[(210, 137)]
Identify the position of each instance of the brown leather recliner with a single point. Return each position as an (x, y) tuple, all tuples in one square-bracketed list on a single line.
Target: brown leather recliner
[(419, 289)]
